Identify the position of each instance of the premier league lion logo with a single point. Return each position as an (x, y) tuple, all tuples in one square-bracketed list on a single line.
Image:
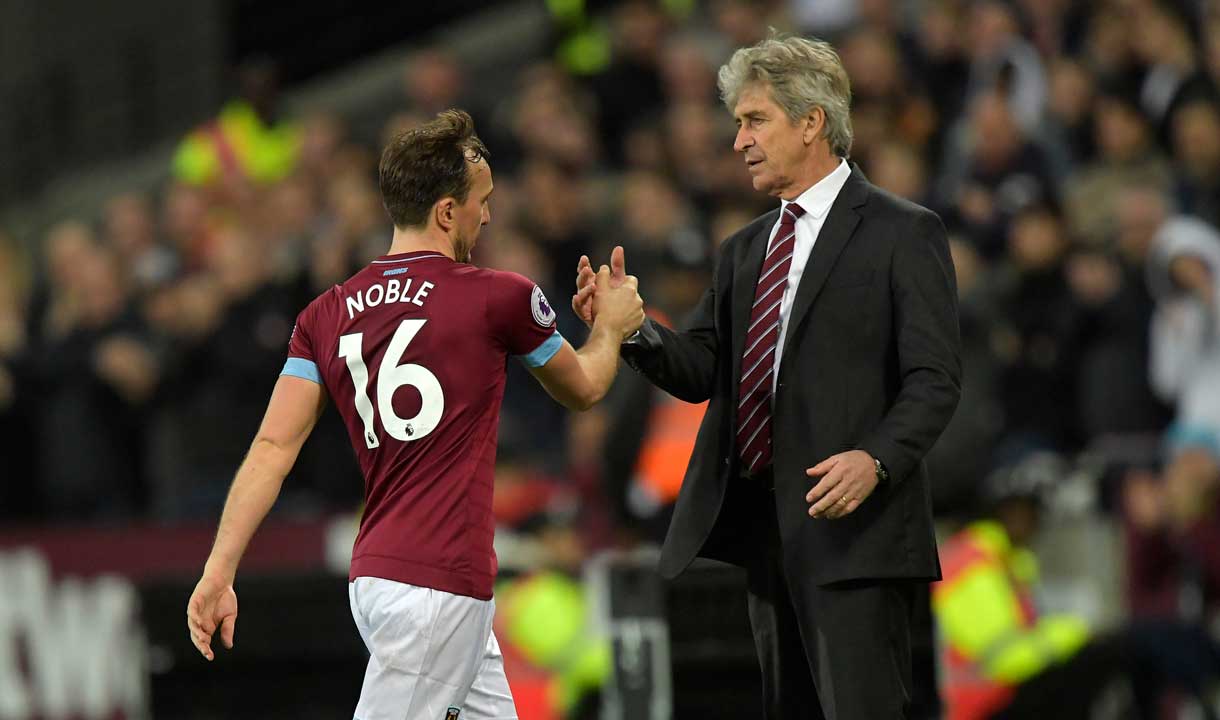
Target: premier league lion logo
[(544, 314)]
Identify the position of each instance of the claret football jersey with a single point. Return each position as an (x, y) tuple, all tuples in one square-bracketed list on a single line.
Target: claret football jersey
[(412, 351)]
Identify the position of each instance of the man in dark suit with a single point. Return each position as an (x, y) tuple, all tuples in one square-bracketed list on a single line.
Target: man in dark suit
[(828, 347)]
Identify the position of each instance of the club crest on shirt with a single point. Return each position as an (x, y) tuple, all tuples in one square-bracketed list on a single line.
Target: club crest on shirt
[(544, 314), (452, 713)]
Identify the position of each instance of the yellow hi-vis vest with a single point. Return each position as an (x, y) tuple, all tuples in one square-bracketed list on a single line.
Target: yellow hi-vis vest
[(993, 639), (237, 145)]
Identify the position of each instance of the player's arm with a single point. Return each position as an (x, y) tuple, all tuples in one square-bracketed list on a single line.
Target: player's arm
[(578, 379), (294, 409)]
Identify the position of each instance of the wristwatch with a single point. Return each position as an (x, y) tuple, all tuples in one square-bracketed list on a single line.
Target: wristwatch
[(883, 475)]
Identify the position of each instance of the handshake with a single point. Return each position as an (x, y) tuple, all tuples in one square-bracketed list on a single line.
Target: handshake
[(608, 298)]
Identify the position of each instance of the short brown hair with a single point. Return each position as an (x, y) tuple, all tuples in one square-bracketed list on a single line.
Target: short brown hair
[(427, 163)]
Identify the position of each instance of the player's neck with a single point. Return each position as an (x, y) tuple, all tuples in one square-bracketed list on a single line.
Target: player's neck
[(427, 240)]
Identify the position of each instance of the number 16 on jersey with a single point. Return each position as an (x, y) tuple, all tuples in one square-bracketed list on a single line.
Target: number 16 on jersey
[(390, 377)]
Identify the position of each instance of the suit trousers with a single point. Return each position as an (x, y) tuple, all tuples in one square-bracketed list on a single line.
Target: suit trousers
[(832, 652)]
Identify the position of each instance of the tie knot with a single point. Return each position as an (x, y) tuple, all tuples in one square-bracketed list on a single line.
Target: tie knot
[(794, 210)]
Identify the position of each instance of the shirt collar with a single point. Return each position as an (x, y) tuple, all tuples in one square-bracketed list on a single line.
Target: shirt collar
[(817, 200)]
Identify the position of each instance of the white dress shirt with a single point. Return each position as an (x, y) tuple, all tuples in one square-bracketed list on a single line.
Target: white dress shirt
[(816, 202)]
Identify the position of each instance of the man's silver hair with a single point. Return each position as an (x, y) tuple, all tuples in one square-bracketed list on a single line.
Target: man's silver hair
[(802, 74)]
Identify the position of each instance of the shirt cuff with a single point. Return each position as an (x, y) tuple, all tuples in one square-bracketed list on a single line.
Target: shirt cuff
[(542, 354), (302, 368)]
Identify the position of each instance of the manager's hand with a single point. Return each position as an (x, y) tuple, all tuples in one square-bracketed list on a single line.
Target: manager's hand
[(847, 480), (586, 283)]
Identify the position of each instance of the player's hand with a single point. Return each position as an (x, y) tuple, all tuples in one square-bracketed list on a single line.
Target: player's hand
[(847, 480), (212, 605), (618, 307), (586, 285)]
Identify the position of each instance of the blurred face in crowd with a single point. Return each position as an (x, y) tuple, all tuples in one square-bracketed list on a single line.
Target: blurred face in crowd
[(185, 213), (651, 207), (1192, 274), (560, 215), (778, 151), (1020, 517), (687, 73), (1071, 91), (1196, 139), (470, 216), (992, 28), (872, 63), (938, 31), (1120, 130), (238, 262), (1108, 43), (68, 246), (639, 28), (899, 169), (690, 129), (129, 224), (1161, 38), (101, 287), (1141, 211), (996, 135), (1036, 240), (433, 81)]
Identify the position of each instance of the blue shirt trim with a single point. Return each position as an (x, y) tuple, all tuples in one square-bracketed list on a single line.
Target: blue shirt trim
[(302, 368), (544, 352)]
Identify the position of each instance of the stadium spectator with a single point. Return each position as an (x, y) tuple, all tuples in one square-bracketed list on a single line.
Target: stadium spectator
[(1184, 272), (1195, 130), (1003, 173), (248, 144), (1006, 659), (1037, 340), (1127, 156)]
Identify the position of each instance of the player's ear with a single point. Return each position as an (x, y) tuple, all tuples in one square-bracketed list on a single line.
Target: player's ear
[(444, 212)]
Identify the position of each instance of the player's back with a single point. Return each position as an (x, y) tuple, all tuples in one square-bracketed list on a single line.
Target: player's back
[(412, 350)]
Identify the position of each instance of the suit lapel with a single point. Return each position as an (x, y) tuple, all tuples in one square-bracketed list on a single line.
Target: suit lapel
[(747, 266), (836, 231)]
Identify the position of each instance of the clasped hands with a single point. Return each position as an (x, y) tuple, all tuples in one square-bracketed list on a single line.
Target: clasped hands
[(609, 293), (847, 479)]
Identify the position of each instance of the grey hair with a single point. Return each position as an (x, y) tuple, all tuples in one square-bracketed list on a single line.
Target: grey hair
[(802, 74)]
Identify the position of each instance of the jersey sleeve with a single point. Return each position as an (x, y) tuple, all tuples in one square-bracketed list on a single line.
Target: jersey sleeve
[(522, 319), (301, 362)]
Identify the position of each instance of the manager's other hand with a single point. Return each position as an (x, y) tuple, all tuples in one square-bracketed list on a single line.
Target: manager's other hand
[(847, 480)]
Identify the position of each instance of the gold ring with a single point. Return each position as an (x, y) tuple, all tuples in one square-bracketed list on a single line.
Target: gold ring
[(843, 499)]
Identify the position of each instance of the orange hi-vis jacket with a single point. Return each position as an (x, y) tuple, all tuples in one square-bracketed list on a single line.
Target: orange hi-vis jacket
[(992, 636), (672, 428)]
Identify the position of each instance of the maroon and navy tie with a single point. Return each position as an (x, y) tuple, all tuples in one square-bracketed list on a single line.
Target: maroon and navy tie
[(762, 335)]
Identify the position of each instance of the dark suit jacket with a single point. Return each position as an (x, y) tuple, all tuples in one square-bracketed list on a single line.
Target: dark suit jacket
[(871, 361)]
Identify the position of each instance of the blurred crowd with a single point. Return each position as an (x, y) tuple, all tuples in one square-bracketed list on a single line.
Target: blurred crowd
[(1072, 148)]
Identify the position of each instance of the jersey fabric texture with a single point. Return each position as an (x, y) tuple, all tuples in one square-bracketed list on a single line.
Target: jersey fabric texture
[(412, 351)]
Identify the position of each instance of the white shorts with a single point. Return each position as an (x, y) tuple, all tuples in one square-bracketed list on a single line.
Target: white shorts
[(433, 655)]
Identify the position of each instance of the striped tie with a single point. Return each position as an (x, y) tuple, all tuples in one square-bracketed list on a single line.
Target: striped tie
[(762, 334)]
